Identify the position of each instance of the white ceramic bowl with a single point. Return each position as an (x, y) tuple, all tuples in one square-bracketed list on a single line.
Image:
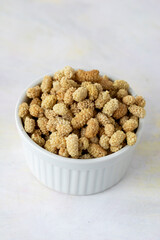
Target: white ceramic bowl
[(74, 176)]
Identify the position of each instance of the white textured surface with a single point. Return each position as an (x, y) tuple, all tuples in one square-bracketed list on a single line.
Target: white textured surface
[(119, 38)]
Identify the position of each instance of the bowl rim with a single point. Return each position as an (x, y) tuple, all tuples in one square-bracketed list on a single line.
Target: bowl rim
[(65, 159)]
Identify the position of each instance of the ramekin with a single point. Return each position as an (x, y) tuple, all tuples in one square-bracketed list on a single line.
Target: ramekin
[(74, 176)]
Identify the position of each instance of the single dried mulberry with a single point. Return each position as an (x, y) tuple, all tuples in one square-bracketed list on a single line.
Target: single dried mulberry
[(60, 109), (72, 145), (137, 111), (64, 128), (42, 124), (57, 141), (69, 72), (117, 138), (81, 118), (131, 138), (33, 92), (29, 125), (36, 101), (121, 111), (140, 101), (68, 96), (130, 125), (36, 137), (128, 100), (102, 119), (92, 128), (49, 102), (96, 150), (104, 142), (89, 76), (109, 129), (106, 83), (121, 84), (122, 93), (23, 109), (56, 85), (46, 84), (80, 94), (92, 91), (110, 107), (35, 110)]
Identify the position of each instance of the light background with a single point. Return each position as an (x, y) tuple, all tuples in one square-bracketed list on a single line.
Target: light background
[(119, 38)]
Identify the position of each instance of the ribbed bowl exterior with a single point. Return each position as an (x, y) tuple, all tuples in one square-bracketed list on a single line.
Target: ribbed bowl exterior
[(75, 179)]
